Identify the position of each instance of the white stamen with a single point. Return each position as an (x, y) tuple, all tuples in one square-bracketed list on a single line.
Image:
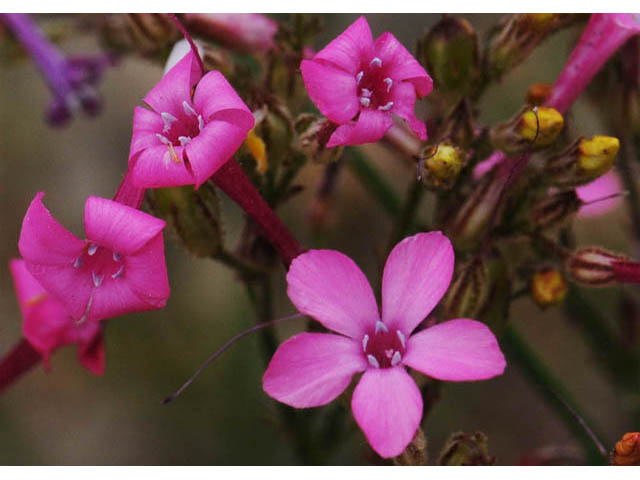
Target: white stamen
[(367, 93), (92, 249), (84, 316), (376, 61), (396, 358), (403, 340), (97, 279), (373, 361), (116, 257), (200, 123), (184, 140), (386, 107), (163, 139), (364, 101), (381, 327), (118, 273), (359, 77), (168, 120), (78, 262), (365, 340), (188, 109), (389, 82)]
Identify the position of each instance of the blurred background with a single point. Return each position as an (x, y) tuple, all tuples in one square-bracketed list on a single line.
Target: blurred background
[(68, 416)]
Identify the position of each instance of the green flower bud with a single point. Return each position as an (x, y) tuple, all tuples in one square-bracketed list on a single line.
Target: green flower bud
[(468, 292)]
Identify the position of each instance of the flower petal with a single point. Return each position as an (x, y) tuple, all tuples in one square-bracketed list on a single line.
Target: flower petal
[(604, 186), (370, 127), (404, 101), (119, 228), (213, 147), (332, 90), (349, 50), (416, 276), (387, 406), (43, 240), (328, 286), (311, 369), (175, 87), (28, 290), (146, 274), (215, 94), (457, 350), (400, 65), (146, 124), (155, 168)]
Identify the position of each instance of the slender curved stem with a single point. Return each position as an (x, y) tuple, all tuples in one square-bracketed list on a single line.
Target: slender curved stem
[(17, 362)]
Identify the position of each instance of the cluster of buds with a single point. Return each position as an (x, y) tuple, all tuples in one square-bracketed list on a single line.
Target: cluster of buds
[(548, 287), (440, 164), (469, 291), (466, 449), (627, 450), (582, 162), (148, 34), (596, 267), (536, 127)]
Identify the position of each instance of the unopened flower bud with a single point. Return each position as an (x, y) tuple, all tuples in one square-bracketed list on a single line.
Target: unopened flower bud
[(441, 164), (597, 267), (314, 133), (555, 210), (627, 450), (536, 127), (468, 292), (548, 287), (538, 93), (193, 214), (466, 449), (147, 34), (519, 35), (274, 128), (583, 162), (245, 32), (450, 54), (416, 452)]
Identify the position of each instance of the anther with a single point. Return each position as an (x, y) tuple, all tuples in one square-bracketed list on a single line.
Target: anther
[(78, 262), (389, 82), (163, 139), (116, 257), (381, 327), (364, 101), (200, 123), (365, 340), (367, 93), (188, 109), (397, 357), (402, 339), (386, 107), (373, 361), (118, 273), (168, 120), (93, 248), (184, 140), (97, 279), (376, 61), (359, 77)]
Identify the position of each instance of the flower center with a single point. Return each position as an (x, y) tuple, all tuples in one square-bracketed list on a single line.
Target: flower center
[(179, 131), (374, 86), (101, 262), (384, 348)]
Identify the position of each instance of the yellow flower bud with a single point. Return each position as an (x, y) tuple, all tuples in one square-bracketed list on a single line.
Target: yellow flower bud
[(548, 287), (597, 154), (543, 127), (627, 450), (442, 164), (258, 151)]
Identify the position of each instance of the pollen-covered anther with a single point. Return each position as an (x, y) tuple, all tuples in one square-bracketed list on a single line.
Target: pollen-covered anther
[(168, 120), (93, 248), (381, 327), (116, 257), (386, 107), (367, 93), (359, 77), (97, 278), (365, 340), (200, 123), (402, 338), (377, 62), (389, 82), (396, 358), (184, 140), (188, 109), (118, 273), (365, 102), (373, 361), (78, 263)]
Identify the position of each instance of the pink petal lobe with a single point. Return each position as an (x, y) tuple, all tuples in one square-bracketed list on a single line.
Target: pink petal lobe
[(332, 90), (370, 127), (457, 350), (387, 406), (604, 186), (416, 276), (155, 168), (328, 286), (120, 228), (401, 65), (214, 94), (404, 101), (349, 50), (43, 240), (311, 369), (175, 87), (28, 290), (213, 147), (146, 124)]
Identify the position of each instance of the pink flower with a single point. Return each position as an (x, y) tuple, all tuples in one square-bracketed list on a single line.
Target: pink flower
[(186, 138), (47, 325), (311, 369), (119, 269), (246, 32), (604, 186), (359, 84)]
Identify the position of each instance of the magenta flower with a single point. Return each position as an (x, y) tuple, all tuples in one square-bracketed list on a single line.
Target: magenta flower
[(595, 195), (359, 84), (311, 369), (186, 138), (119, 269), (48, 326), (245, 32)]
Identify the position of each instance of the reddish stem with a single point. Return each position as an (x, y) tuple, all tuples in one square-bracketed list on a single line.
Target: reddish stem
[(127, 193), (187, 36), (17, 362), (232, 180), (626, 271)]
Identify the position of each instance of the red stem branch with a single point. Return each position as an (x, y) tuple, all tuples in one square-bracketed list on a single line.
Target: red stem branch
[(17, 362)]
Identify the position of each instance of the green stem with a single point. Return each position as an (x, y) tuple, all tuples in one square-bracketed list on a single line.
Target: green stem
[(554, 393), (374, 182), (247, 269)]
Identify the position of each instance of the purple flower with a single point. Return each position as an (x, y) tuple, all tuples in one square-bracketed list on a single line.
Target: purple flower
[(186, 137), (359, 84), (119, 269), (311, 369)]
